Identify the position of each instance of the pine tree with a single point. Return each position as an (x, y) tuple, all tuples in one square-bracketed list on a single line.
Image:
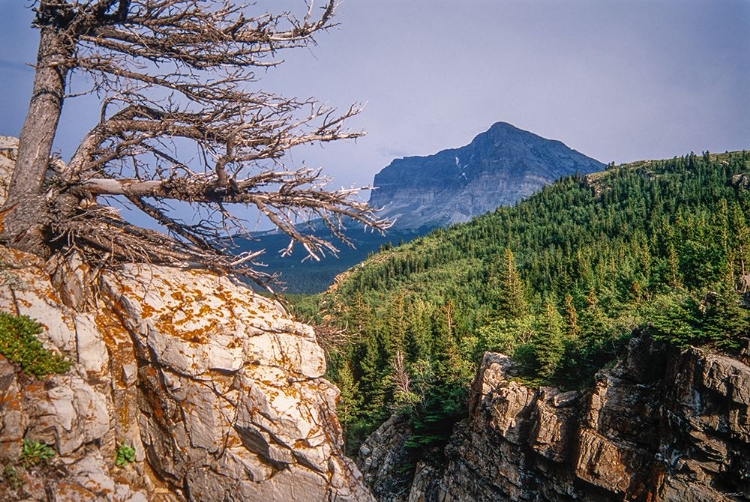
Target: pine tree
[(674, 267), (350, 399), (396, 324), (596, 326), (571, 318), (418, 333), (373, 382), (511, 301), (725, 319), (548, 341), (449, 367), (362, 316)]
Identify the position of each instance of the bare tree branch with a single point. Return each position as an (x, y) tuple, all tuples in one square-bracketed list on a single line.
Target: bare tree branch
[(179, 122)]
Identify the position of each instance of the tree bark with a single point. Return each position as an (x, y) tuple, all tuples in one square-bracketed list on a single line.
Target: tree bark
[(25, 225)]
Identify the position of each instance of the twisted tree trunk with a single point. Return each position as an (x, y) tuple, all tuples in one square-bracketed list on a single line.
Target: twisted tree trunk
[(169, 70), (26, 223)]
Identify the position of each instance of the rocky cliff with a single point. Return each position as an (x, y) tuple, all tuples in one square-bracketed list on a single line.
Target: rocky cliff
[(662, 425), (217, 390), (499, 167)]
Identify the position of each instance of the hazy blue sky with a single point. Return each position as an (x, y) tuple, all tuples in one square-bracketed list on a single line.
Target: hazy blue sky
[(617, 80)]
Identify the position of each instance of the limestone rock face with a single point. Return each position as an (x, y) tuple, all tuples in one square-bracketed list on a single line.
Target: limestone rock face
[(662, 425), (218, 391)]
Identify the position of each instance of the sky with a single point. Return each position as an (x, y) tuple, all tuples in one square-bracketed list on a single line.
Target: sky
[(618, 80)]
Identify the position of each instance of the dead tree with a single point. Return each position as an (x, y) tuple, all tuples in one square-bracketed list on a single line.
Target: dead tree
[(179, 124)]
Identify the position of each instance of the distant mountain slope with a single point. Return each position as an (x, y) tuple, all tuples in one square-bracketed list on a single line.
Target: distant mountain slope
[(310, 276), (499, 167)]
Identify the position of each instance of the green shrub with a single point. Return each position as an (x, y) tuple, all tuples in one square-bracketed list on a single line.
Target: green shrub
[(34, 452), (11, 477), (125, 455), (18, 342)]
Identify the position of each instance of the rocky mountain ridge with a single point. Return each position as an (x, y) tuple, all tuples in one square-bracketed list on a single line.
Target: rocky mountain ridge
[(499, 167), (662, 425)]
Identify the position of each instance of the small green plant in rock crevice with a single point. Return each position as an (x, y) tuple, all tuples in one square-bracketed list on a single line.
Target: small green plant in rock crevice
[(125, 455), (34, 452), (10, 476), (18, 342)]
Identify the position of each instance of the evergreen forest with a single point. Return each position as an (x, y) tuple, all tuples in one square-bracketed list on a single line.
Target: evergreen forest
[(560, 281)]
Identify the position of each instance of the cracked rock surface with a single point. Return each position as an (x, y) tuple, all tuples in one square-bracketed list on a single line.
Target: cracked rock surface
[(662, 425), (219, 392)]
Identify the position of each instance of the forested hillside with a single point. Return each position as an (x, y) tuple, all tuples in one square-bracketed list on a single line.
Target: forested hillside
[(559, 281)]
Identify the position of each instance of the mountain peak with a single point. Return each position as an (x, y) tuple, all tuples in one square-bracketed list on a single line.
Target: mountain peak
[(499, 167), (497, 126)]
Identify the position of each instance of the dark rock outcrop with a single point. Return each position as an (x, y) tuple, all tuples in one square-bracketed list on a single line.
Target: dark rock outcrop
[(662, 425), (499, 167), (384, 461)]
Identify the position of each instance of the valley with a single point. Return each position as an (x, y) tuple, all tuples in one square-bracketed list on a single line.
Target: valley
[(561, 282)]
